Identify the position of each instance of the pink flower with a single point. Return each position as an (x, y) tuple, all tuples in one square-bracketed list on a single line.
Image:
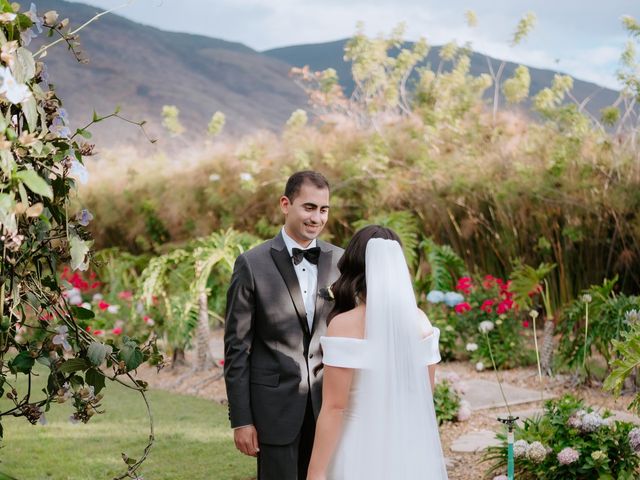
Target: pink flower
[(98, 332), (103, 305), (116, 331), (125, 295), (525, 324), (462, 307), (221, 363)]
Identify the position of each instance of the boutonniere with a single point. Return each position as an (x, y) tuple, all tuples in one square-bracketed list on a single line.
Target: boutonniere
[(326, 293)]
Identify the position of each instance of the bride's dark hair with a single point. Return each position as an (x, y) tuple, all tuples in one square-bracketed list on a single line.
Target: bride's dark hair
[(352, 281)]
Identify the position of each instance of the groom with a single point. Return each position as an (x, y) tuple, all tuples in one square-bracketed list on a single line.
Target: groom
[(277, 306)]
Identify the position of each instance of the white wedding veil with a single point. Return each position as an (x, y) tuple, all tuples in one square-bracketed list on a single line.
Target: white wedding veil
[(398, 430)]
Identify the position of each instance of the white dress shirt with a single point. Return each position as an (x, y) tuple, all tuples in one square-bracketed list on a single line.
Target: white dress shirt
[(307, 274)]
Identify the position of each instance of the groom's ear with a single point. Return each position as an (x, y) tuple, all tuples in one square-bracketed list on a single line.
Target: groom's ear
[(285, 204)]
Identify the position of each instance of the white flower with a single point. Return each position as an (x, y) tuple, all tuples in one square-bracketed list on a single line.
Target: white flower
[(449, 328), (246, 177), (79, 172), (214, 177), (472, 347), (75, 300), (586, 298), (533, 314), (520, 448), (479, 366), (27, 35), (86, 306), (61, 338), (632, 316), (486, 326), (536, 452), (113, 309), (14, 91), (97, 297), (33, 15), (7, 17)]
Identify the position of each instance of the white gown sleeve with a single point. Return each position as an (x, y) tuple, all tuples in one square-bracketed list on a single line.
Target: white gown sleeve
[(343, 352), (429, 347)]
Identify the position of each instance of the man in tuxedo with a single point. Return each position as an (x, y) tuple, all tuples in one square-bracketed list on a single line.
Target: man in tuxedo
[(277, 305)]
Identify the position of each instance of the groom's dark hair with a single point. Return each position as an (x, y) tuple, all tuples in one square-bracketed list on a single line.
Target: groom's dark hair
[(295, 182)]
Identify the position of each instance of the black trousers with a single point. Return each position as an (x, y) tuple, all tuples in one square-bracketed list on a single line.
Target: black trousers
[(289, 462)]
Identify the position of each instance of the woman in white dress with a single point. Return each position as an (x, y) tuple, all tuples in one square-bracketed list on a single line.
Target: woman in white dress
[(377, 420)]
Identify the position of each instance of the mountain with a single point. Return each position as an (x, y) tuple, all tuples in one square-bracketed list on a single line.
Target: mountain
[(142, 68), (321, 56)]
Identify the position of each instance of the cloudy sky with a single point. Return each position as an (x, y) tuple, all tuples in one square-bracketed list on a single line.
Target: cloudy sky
[(580, 37)]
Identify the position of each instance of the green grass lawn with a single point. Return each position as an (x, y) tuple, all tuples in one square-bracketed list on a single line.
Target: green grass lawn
[(193, 440)]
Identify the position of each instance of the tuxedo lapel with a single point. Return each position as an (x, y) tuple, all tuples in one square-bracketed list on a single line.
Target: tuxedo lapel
[(284, 264), (324, 271)]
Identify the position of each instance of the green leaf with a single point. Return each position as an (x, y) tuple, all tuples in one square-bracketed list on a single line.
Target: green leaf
[(84, 133), (22, 363), (35, 183), (96, 379), (97, 353), (131, 354), (80, 313), (30, 110), (75, 365)]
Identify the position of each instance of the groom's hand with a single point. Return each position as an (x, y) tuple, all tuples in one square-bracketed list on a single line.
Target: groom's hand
[(246, 439)]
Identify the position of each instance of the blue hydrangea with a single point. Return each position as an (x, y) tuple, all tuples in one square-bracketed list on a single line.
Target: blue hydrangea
[(435, 296), (453, 298)]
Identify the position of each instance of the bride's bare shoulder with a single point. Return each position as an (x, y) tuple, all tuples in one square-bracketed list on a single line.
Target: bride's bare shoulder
[(347, 324)]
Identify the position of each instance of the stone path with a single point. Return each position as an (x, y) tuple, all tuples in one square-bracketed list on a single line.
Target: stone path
[(483, 394)]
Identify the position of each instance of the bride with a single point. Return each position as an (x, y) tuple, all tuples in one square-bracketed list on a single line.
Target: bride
[(377, 420)]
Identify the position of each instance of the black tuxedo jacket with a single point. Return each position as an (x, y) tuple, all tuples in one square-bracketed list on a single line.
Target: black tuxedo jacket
[(272, 360)]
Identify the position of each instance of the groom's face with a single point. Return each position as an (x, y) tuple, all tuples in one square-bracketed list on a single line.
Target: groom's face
[(307, 214)]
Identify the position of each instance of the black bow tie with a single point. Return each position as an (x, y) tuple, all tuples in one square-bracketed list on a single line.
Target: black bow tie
[(311, 254)]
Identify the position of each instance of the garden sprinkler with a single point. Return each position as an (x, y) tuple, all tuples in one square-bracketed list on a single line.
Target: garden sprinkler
[(510, 422)]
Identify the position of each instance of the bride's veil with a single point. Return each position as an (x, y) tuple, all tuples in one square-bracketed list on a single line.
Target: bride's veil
[(398, 423)]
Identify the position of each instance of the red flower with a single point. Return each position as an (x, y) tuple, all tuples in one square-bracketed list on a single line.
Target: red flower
[(95, 285), (525, 323), (464, 285), (116, 331), (505, 306), (88, 328), (486, 306), (98, 332), (103, 305), (489, 281), (536, 290), (221, 362), (462, 307)]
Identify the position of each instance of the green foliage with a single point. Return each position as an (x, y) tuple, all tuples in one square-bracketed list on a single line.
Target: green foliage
[(607, 323), (176, 278), (446, 400), (627, 362), (602, 444), (404, 224), (445, 266)]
